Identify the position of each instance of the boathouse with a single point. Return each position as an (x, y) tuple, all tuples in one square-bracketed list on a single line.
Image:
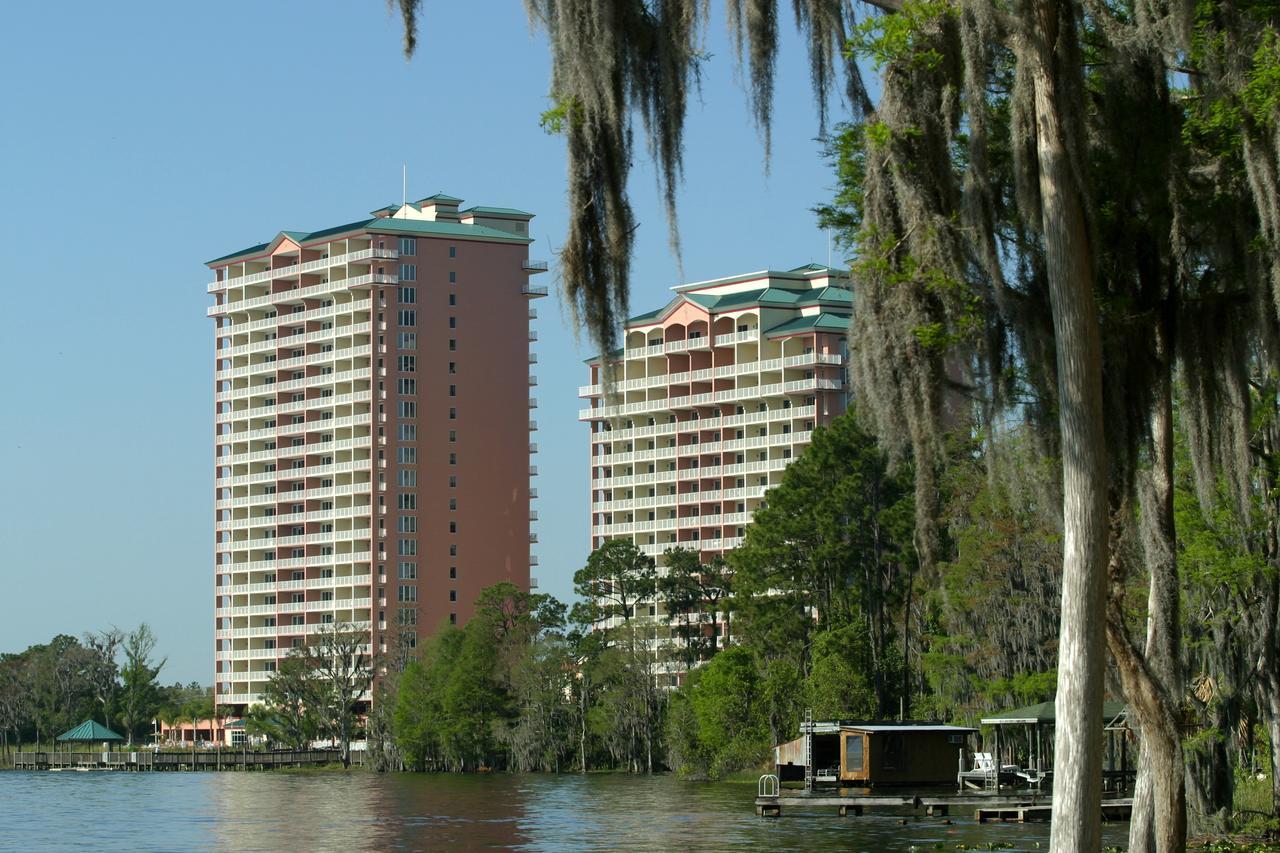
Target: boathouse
[(876, 754)]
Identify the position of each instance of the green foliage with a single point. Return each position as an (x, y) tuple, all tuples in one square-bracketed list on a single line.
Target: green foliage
[(717, 721), (896, 38), (692, 593), (839, 685), (832, 547), (617, 578)]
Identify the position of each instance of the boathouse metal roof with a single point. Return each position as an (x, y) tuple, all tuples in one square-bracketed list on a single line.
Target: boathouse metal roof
[(1045, 713)]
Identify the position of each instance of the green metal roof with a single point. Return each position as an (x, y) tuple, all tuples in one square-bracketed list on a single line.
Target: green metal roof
[(449, 229), (90, 731), (385, 224), (252, 250), (445, 197), (497, 211), (1045, 712), (822, 322)]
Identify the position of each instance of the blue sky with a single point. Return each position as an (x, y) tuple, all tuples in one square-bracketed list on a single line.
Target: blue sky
[(141, 139)]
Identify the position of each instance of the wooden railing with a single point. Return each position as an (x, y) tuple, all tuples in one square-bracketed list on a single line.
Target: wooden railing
[(200, 759)]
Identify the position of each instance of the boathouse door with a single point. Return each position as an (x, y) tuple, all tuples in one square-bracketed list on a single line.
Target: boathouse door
[(854, 760)]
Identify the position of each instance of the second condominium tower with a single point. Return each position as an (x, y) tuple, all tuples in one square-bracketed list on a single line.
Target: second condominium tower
[(373, 418), (710, 399)]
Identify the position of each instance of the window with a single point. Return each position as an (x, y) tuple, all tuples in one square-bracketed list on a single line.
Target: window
[(453, 618), (453, 367), (453, 414), (453, 572), (407, 616), (408, 571), (408, 548), (408, 246), (408, 363), (453, 322), (453, 550), (408, 409), (297, 620), (408, 501), (453, 527), (408, 432), (453, 251), (408, 272), (408, 524), (453, 277), (408, 340), (407, 455), (408, 386), (453, 435), (408, 317), (407, 295), (453, 345), (407, 593), (453, 299), (453, 390), (407, 477), (453, 595), (453, 482), (453, 503), (453, 459)]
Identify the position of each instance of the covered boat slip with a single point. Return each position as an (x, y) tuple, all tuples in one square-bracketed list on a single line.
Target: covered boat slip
[(868, 755), (1022, 749)]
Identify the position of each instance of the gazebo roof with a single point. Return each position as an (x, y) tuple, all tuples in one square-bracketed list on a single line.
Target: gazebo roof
[(1044, 713), (90, 731)]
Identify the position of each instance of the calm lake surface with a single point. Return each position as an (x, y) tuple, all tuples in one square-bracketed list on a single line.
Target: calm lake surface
[(364, 811)]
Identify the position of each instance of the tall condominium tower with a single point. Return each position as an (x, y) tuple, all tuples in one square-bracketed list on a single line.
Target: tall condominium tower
[(371, 450), (712, 397)]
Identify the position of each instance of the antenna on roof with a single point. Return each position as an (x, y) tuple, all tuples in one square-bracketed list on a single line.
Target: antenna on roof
[(828, 248), (404, 184)]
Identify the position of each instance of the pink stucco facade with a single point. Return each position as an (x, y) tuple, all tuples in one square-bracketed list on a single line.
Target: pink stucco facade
[(372, 442)]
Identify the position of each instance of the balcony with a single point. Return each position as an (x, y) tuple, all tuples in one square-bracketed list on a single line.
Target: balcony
[(309, 266), (313, 291), (533, 268), (533, 470)]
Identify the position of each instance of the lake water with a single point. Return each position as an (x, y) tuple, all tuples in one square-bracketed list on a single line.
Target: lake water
[(318, 811)]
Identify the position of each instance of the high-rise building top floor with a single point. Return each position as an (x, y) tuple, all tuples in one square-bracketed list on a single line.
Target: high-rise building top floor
[(709, 399), (372, 457)]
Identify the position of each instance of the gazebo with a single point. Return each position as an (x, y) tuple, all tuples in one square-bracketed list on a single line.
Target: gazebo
[(1038, 721), (90, 731)]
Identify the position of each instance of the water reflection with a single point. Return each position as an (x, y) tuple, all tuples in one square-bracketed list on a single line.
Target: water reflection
[(359, 811)]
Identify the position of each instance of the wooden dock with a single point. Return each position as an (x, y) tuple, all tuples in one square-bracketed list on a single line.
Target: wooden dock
[(150, 760), (1111, 810), (936, 805), (986, 807)]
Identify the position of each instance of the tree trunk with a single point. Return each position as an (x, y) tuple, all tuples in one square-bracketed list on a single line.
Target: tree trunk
[(1159, 821), (1273, 731), (1077, 789)]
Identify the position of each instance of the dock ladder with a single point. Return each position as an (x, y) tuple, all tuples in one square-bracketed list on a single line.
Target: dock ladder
[(808, 749)]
